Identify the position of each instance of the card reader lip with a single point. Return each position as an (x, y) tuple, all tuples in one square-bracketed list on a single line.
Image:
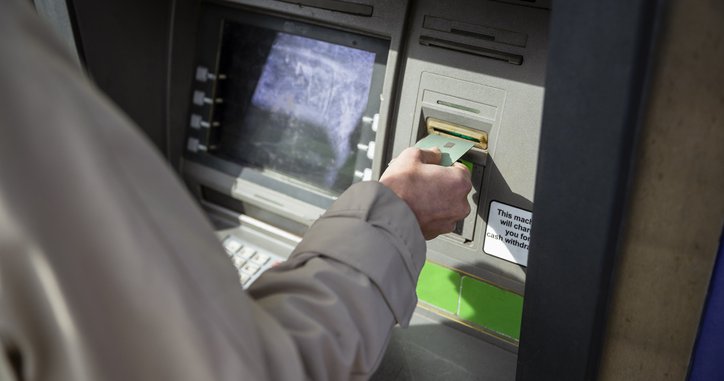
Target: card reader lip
[(440, 127)]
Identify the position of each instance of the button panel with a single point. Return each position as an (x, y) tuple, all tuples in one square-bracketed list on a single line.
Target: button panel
[(249, 260), (203, 128)]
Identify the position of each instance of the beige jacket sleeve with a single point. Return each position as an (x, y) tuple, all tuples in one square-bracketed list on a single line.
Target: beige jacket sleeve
[(110, 271), (346, 284)]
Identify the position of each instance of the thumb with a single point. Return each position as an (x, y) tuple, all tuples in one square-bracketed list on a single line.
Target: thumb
[(431, 156)]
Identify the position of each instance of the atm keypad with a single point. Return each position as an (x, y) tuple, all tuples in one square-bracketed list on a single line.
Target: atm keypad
[(249, 261)]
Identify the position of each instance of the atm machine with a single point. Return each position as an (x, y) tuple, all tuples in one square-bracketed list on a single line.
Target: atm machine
[(286, 104), (268, 109), (274, 107), (286, 112)]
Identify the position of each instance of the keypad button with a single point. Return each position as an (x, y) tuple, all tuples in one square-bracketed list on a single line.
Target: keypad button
[(247, 253), (232, 245), (250, 268), (238, 261), (260, 259), (244, 278)]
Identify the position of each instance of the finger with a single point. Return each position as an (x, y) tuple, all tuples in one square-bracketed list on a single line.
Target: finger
[(445, 227), (430, 236), (462, 166), (431, 156)]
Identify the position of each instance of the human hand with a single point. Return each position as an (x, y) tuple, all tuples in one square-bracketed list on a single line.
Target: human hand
[(437, 195)]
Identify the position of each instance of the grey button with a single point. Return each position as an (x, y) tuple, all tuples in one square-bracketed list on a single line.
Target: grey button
[(202, 73), (199, 97), (196, 121), (193, 144)]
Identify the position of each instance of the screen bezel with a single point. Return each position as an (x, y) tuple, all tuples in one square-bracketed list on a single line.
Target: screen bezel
[(208, 54)]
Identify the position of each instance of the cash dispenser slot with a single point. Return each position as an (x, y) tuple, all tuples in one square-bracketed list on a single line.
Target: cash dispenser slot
[(514, 59), (480, 32), (479, 40), (342, 6)]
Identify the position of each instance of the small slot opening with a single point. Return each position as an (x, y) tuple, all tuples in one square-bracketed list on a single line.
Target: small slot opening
[(455, 134), (336, 5), (475, 31), (459, 107)]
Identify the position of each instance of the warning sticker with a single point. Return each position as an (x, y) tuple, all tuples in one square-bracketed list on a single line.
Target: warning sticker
[(508, 233)]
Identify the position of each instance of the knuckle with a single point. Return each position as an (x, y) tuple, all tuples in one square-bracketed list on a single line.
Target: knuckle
[(464, 186), (413, 152), (468, 186), (462, 211), (462, 169), (462, 173)]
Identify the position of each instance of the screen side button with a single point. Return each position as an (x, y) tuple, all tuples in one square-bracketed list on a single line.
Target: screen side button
[(195, 121)]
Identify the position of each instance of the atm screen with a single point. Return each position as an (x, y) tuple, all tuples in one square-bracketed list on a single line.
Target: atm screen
[(294, 106)]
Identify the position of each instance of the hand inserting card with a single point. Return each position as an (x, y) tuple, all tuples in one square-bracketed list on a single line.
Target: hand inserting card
[(436, 190), (452, 149)]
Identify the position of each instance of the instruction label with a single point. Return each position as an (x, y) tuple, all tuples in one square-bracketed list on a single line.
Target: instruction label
[(508, 233)]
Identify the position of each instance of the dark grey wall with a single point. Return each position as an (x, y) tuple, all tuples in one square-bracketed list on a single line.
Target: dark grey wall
[(124, 45)]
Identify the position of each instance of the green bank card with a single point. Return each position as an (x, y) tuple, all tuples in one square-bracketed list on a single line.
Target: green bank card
[(452, 149)]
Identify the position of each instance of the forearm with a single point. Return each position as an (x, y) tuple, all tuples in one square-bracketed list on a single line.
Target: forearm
[(349, 281)]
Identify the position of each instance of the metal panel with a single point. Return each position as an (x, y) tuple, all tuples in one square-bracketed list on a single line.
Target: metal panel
[(595, 85)]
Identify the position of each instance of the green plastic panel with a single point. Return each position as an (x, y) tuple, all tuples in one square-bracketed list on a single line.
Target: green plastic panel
[(440, 287), (491, 307), (471, 299)]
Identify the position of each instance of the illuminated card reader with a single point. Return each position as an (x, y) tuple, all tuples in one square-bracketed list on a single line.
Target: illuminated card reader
[(443, 128)]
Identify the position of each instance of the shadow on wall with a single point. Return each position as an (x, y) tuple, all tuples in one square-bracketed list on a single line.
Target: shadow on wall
[(494, 179)]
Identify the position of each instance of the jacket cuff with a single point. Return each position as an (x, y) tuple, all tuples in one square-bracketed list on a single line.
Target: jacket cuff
[(373, 231)]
